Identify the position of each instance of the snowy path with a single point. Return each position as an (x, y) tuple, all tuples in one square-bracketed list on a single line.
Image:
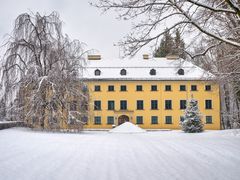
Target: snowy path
[(105, 156)]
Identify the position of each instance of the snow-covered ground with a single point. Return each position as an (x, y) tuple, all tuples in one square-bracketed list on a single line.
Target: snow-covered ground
[(159, 155)]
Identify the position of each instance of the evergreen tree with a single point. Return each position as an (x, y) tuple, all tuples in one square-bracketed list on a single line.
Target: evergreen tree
[(179, 45), (191, 122)]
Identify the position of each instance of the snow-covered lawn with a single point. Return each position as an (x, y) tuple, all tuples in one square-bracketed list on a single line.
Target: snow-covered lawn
[(160, 155)]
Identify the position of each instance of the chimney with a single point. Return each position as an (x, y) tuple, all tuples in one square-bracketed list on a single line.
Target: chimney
[(172, 57), (145, 56), (94, 57)]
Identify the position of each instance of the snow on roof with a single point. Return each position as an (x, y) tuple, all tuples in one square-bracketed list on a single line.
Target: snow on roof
[(139, 69)]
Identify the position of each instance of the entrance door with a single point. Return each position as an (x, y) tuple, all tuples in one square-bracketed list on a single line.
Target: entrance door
[(123, 119)]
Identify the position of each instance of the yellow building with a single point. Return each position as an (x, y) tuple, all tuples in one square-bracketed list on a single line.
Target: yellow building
[(149, 92)]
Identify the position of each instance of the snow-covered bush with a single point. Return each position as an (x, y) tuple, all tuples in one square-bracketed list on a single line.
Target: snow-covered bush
[(191, 122)]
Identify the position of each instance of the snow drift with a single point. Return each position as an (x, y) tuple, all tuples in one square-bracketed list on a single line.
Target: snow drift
[(127, 127)]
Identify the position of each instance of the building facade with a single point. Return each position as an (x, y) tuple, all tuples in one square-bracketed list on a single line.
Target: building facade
[(149, 92)]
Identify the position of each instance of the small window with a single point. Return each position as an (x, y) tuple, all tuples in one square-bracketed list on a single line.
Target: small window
[(139, 104), (208, 119), (139, 88), (208, 104), (168, 104), (139, 120), (97, 105), (73, 106), (123, 105), (154, 104), (97, 88), (123, 72), (183, 104), (182, 88), (84, 119), (123, 88), (152, 72), (110, 120), (193, 87), (181, 72), (168, 119), (168, 88), (154, 120), (154, 88), (97, 120), (110, 88), (97, 72), (111, 105), (208, 88)]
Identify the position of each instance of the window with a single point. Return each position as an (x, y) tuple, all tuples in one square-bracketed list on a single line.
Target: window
[(181, 118), (110, 120), (139, 104), (183, 104), (139, 88), (123, 88), (154, 104), (168, 119), (139, 120), (154, 120), (208, 104), (73, 106), (168, 104), (97, 105), (154, 88), (97, 88), (97, 72), (208, 88), (193, 87), (182, 88), (111, 105), (110, 88), (168, 88), (123, 72), (152, 72), (123, 105), (181, 72), (208, 119), (97, 120), (84, 119)]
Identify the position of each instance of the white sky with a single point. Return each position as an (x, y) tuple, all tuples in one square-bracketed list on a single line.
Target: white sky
[(81, 21)]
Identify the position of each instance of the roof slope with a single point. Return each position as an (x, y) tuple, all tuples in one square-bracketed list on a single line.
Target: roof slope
[(139, 69)]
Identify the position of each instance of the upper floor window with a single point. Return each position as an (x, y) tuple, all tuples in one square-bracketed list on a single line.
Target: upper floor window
[(111, 105), (111, 88), (181, 72), (193, 87), (208, 88), (168, 88), (97, 72), (154, 104), (154, 88), (123, 72), (139, 88), (208, 104), (183, 104), (168, 104), (123, 88), (139, 104), (97, 105), (123, 105), (182, 87), (97, 88), (152, 72)]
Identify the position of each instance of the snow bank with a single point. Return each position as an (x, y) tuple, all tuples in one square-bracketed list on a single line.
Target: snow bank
[(127, 127)]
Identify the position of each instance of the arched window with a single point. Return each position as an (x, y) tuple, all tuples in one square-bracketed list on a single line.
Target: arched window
[(180, 72), (97, 72), (123, 72), (152, 72)]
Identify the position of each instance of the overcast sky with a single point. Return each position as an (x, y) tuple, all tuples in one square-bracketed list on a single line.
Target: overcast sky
[(81, 21)]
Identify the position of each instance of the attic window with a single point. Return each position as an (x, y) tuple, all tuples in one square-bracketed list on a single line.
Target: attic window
[(152, 72), (123, 72), (180, 72), (97, 72)]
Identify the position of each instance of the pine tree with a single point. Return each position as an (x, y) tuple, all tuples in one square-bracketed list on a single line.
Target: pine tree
[(179, 45), (191, 122)]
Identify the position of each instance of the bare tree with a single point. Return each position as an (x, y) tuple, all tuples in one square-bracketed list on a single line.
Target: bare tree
[(40, 72)]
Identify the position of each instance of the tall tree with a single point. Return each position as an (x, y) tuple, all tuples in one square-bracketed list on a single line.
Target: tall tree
[(41, 69)]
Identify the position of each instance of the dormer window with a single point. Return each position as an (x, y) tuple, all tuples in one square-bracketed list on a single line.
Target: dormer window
[(180, 72), (123, 72), (152, 72), (97, 72)]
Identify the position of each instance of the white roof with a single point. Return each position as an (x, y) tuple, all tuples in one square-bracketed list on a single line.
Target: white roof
[(139, 69)]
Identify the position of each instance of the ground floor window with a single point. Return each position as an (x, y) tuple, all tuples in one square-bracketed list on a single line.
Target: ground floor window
[(97, 120), (168, 119), (110, 120), (139, 120), (208, 119), (154, 120)]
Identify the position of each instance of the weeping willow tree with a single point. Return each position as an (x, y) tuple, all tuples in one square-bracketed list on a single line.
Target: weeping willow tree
[(40, 73)]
